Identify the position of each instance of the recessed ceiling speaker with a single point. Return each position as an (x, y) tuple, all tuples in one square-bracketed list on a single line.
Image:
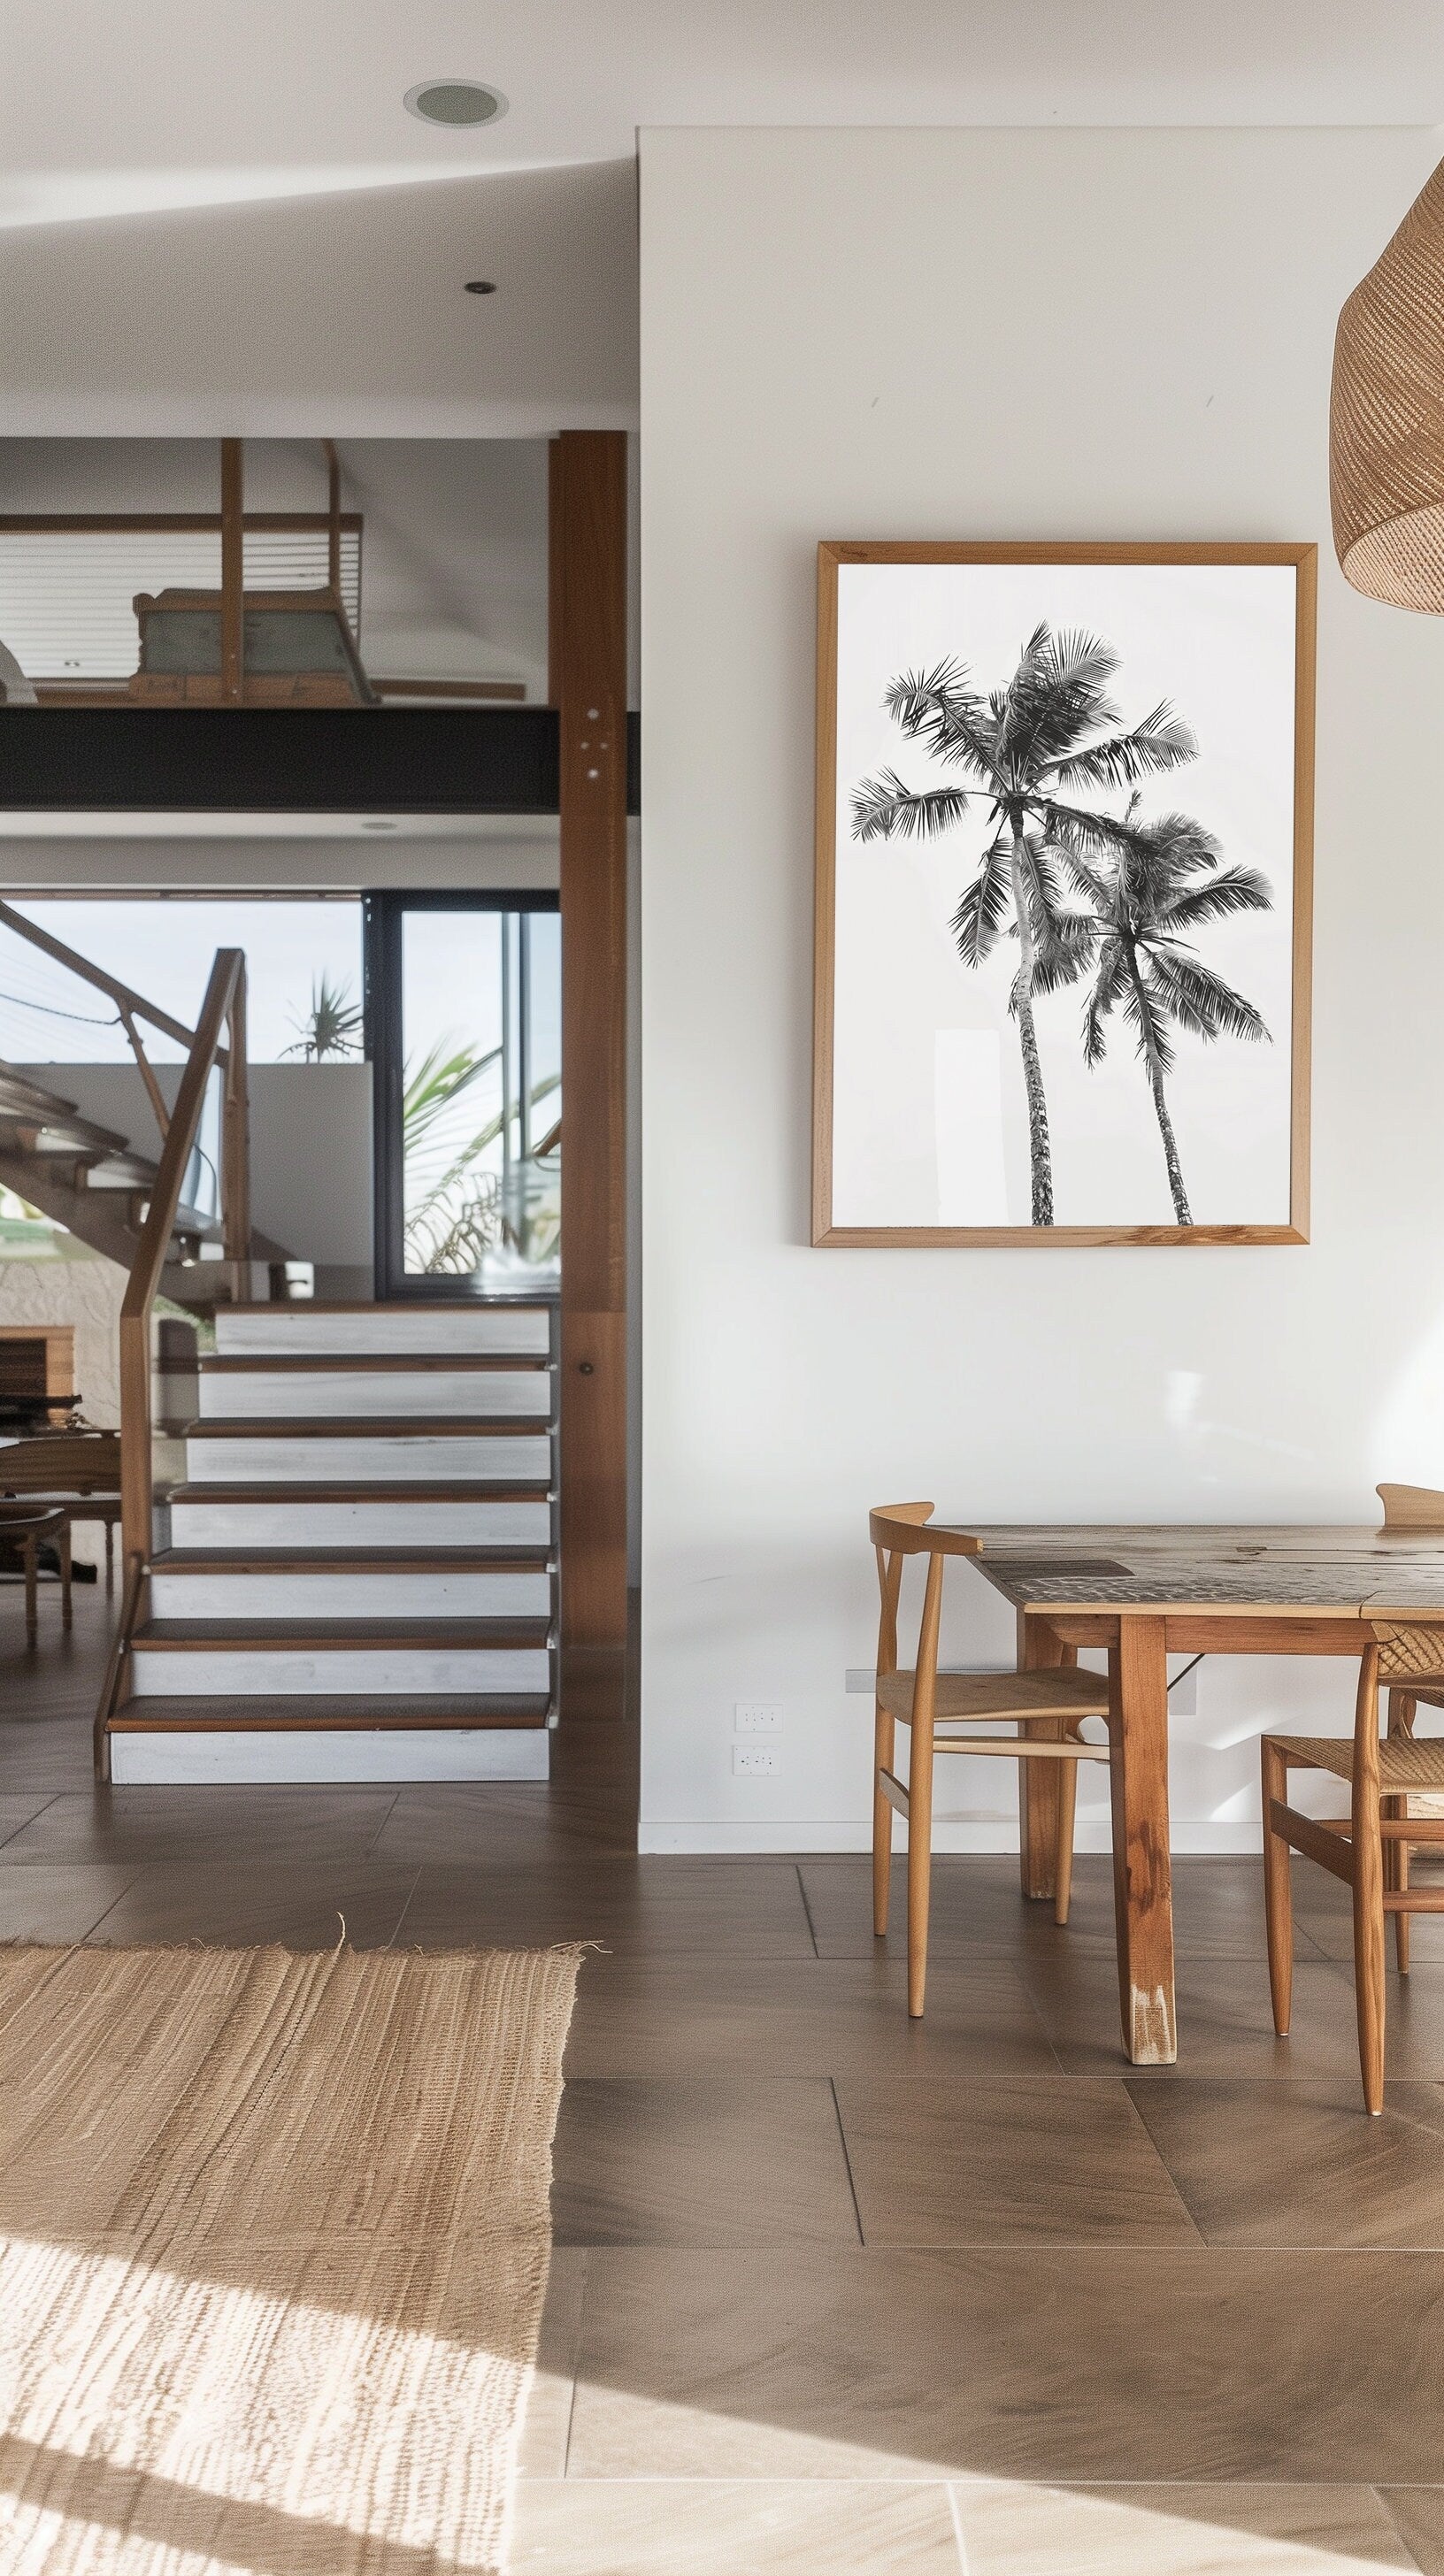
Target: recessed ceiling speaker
[(455, 102)]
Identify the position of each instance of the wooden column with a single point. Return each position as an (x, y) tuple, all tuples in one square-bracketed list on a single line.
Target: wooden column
[(233, 573), (588, 665)]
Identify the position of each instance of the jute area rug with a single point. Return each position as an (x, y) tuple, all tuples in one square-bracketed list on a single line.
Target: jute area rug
[(273, 2245)]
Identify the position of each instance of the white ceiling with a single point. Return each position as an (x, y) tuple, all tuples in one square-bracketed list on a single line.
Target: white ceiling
[(108, 109)]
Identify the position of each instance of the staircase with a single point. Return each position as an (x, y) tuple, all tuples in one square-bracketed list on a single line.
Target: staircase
[(91, 1180), (359, 1581)]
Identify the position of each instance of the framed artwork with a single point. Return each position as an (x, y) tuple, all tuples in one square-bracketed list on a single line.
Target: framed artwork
[(1064, 876)]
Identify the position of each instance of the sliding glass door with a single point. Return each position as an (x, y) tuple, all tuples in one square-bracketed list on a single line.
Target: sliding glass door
[(464, 1026)]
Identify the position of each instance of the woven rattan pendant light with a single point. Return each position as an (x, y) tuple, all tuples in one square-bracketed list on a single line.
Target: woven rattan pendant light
[(1386, 427)]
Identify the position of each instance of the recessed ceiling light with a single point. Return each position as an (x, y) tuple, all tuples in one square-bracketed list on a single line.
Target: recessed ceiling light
[(481, 286), (455, 102)]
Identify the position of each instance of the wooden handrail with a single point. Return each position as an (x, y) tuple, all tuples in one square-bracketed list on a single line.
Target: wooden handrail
[(121, 994), (224, 1009)]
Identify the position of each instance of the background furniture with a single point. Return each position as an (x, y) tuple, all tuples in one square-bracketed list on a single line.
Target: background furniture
[(1145, 1593), (928, 1701), (76, 1470), (28, 1531), (1368, 1848), (37, 1374)]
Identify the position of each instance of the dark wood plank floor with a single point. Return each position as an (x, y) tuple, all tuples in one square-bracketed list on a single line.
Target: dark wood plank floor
[(832, 2292)]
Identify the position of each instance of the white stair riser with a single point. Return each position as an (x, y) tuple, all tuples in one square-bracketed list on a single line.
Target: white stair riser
[(422, 1457), (351, 1394), (505, 1594), (375, 1753), (385, 1331), (237, 1672), (402, 1523)]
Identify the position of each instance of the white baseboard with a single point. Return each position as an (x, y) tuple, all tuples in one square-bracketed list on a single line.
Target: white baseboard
[(442, 1753), (849, 1835)]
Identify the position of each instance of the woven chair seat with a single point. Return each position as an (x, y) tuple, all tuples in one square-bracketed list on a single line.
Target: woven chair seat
[(1001, 1695), (1405, 1761)]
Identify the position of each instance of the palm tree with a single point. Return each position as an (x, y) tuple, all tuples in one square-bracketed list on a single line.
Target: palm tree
[(1149, 884), (1027, 748)]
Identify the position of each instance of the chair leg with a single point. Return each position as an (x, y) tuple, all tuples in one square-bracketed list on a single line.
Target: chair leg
[(109, 1553), (885, 1734), (1067, 1808), (1278, 1892), (1369, 1957), (1396, 1876), (920, 1864), (66, 1615), (32, 1604)]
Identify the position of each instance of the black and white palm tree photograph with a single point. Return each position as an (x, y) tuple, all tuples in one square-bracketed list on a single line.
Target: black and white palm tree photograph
[(1063, 894)]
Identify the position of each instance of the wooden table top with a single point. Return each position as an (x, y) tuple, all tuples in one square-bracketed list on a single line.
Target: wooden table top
[(1331, 1570)]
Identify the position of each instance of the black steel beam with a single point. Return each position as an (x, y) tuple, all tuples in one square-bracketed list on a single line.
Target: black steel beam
[(258, 760)]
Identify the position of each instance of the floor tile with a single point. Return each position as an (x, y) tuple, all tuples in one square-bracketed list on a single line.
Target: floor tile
[(542, 2452), (247, 1826), (54, 1902), (978, 2161), (700, 2160), (977, 1908), (1107, 2365), (1225, 2019), (1176, 2531), (305, 1907), (733, 1908), (754, 2527), (705, 2016), (1302, 2164), (1419, 2514), (16, 1810), (508, 1824)]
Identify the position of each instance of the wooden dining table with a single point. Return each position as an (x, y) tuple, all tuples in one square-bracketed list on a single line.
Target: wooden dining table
[(1147, 1592)]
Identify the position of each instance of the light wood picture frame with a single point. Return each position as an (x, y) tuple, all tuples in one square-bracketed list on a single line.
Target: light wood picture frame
[(1064, 886)]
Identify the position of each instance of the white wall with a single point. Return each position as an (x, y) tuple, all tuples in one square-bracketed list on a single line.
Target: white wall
[(311, 1166), (1010, 334)]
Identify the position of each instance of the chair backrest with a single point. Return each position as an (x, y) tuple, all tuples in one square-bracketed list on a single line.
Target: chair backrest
[(1408, 1649), (898, 1531), (1411, 1507), (907, 1529)]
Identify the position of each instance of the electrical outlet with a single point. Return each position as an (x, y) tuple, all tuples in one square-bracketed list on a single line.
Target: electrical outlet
[(757, 1716), (752, 1758)]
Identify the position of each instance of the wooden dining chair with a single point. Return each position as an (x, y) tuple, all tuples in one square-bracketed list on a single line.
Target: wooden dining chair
[(27, 1531), (932, 1704), (1368, 1848)]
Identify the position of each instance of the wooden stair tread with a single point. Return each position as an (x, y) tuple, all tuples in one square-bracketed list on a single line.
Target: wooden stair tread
[(325, 1712), (533, 1489), (368, 1363), (360, 1426), (352, 1560), (531, 1304), (185, 1635)]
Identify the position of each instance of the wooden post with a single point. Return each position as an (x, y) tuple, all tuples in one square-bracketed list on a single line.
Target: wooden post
[(1142, 1879), (233, 573), (588, 663), (333, 519), (236, 1143), (1039, 1783)]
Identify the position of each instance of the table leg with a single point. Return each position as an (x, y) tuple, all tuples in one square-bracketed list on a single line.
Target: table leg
[(1039, 1651), (1142, 1882)]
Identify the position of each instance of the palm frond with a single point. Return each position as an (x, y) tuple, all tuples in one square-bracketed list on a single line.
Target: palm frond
[(940, 710), (884, 808), (1200, 1001), (1107, 992), (1147, 1014), (979, 916), (1235, 890), (1162, 741), (1063, 951)]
